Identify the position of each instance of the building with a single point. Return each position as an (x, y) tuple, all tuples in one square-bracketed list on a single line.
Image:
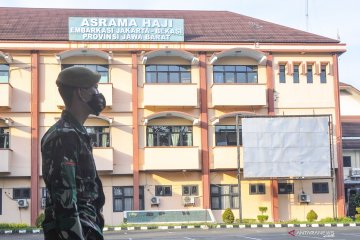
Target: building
[(350, 121), (174, 82)]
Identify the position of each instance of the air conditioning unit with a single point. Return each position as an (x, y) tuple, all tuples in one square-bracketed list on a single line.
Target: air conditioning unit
[(155, 201), (304, 198), (22, 203), (43, 202), (188, 200)]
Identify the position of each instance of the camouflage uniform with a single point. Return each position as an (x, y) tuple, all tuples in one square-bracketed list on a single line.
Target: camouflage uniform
[(75, 194)]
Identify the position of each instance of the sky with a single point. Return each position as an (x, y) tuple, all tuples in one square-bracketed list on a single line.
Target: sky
[(329, 18)]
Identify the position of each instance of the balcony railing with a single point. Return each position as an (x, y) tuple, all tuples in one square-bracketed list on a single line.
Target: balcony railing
[(5, 159), (5, 95), (170, 95), (104, 159), (238, 95), (171, 158)]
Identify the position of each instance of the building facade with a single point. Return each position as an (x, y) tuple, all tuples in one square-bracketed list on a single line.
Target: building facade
[(167, 139)]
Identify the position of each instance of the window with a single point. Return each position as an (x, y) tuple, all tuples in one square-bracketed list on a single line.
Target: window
[(323, 73), (226, 135), (100, 136), (169, 136), (4, 137), (309, 73), (347, 161), (168, 73), (103, 70), (296, 75), (282, 73), (224, 196), (4, 73), (19, 193), (161, 190), (258, 188), (235, 74), (44, 192), (320, 187), (285, 188), (190, 190), (123, 198)]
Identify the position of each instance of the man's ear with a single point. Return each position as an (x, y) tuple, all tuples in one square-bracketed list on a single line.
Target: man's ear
[(82, 95)]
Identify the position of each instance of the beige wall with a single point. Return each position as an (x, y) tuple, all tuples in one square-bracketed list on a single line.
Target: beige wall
[(349, 103)]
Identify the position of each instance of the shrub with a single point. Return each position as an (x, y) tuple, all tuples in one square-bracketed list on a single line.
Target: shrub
[(327, 220), (246, 221), (13, 225), (39, 220), (345, 220), (311, 216), (262, 218), (228, 216), (354, 201), (357, 216)]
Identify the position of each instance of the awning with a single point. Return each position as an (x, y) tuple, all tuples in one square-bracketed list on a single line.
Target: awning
[(84, 52), (170, 53), (7, 121), (258, 56), (194, 120)]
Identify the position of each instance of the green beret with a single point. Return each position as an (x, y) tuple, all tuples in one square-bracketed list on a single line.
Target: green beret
[(80, 77)]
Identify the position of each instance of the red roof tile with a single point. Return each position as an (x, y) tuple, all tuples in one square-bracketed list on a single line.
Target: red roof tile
[(31, 24)]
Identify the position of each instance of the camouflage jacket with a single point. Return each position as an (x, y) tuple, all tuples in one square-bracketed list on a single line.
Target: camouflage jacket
[(75, 194)]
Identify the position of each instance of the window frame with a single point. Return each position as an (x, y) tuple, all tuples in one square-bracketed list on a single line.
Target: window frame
[(98, 135), (97, 66), (5, 136), (226, 133), (5, 72), (24, 193), (286, 186), (309, 73), (191, 193), (183, 69), (257, 192), (296, 74), (320, 189), (123, 197), (282, 73), (163, 190), (323, 73), (219, 195), (236, 73), (183, 140), (348, 159)]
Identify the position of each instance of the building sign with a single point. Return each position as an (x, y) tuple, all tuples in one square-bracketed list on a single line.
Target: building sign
[(126, 29)]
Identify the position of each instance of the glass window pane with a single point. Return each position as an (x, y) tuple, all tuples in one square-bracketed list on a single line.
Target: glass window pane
[(252, 77), (241, 68), (229, 68), (229, 77), (118, 204), (162, 68), (218, 68), (4, 78), (185, 68), (174, 78), (225, 202), (104, 77), (235, 202), (173, 68), (194, 190), (151, 77), (186, 77), (186, 190), (214, 190), (261, 188), (241, 77), (225, 190), (215, 203), (162, 77), (251, 68), (150, 68), (252, 188), (128, 191), (4, 67), (128, 204), (117, 191), (167, 191), (218, 77), (234, 189)]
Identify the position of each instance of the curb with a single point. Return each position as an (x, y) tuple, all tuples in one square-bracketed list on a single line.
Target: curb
[(117, 229)]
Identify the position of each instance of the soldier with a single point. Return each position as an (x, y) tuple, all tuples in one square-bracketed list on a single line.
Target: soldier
[(75, 194)]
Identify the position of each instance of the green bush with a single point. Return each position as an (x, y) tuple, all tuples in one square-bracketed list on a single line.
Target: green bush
[(327, 220), (262, 210), (246, 221), (228, 216), (262, 218), (345, 220), (13, 225), (311, 216), (39, 220)]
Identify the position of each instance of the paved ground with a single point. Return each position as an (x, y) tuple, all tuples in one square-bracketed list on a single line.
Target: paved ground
[(345, 233)]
